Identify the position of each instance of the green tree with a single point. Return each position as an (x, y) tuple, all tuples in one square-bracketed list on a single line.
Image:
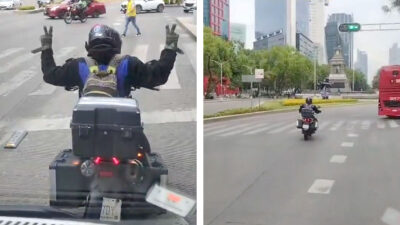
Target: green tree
[(392, 4), (375, 81)]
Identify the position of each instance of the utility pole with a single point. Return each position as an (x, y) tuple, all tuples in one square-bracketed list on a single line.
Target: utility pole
[(315, 70)]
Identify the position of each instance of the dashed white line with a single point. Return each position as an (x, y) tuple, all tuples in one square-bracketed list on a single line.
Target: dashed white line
[(337, 125), (393, 124), (338, 159), (352, 135), (255, 131), (347, 144), (365, 124), (381, 125), (321, 186)]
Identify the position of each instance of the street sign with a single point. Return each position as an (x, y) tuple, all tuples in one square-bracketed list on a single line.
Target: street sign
[(349, 27), (259, 73), (250, 79)]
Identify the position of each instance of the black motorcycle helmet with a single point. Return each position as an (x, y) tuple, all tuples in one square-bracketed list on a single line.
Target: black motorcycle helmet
[(309, 101), (103, 42)]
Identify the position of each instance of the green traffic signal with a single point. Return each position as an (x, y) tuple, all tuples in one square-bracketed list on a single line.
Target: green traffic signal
[(349, 27)]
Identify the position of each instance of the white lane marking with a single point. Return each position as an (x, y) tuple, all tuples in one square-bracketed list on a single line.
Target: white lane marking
[(351, 125), (321, 186), (116, 24), (338, 159), (259, 130), (168, 116), (226, 129), (282, 128), (241, 130), (381, 125), (17, 61), (173, 81), (141, 52), (391, 217), (9, 51), (16, 81), (44, 89), (63, 53), (352, 135), (153, 117), (210, 128), (323, 125), (365, 124), (393, 124), (347, 144), (336, 125)]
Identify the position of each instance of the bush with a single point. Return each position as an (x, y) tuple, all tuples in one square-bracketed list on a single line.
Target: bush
[(292, 102), (27, 7)]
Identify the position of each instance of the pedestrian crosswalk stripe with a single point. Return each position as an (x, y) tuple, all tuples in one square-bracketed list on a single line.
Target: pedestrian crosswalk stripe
[(44, 89), (350, 125), (365, 124), (17, 61), (16, 81), (238, 131), (393, 124), (381, 125), (323, 124), (210, 128), (263, 129), (9, 52), (337, 125), (226, 129), (141, 52), (282, 128)]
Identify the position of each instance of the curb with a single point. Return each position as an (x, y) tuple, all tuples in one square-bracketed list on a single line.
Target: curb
[(193, 35), (231, 117), (29, 11)]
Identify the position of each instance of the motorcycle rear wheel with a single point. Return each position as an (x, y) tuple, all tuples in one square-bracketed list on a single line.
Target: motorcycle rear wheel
[(83, 18), (306, 137), (68, 18)]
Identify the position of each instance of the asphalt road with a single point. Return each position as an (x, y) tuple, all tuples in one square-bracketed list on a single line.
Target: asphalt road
[(45, 111), (259, 170)]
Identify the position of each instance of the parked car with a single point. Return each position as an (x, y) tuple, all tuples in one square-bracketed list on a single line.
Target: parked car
[(94, 9), (145, 5), (10, 4)]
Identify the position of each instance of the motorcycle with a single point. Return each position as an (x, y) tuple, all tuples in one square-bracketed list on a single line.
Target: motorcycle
[(74, 13), (110, 169), (308, 123)]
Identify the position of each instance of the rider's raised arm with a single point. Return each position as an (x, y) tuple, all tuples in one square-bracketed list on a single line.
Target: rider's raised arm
[(65, 75), (153, 73)]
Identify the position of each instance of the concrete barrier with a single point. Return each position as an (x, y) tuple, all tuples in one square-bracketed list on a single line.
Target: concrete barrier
[(29, 11)]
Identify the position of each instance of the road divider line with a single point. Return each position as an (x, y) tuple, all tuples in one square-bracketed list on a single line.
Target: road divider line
[(7, 87), (391, 217), (365, 124), (9, 52), (338, 159), (352, 135), (259, 130), (347, 144), (321, 186)]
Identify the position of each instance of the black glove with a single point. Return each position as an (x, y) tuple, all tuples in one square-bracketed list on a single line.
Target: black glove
[(172, 39), (45, 39)]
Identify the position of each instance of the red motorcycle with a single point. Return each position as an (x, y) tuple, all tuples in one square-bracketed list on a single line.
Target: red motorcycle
[(74, 12)]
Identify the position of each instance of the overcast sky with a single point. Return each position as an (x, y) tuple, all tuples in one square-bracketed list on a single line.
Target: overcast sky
[(376, 44)]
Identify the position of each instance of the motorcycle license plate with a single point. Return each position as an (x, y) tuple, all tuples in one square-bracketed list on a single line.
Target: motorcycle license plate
[(306, 126), (111, 210), (169, 200)]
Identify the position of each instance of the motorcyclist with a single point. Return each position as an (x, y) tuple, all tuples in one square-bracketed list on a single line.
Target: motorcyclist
[(103, 45), (309, 105)]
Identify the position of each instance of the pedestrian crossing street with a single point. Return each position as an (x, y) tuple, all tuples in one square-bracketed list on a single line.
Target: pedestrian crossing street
[(15, 59), (256, 127)]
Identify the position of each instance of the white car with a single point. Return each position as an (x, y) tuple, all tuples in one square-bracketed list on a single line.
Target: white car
[(10, 4), (145, 5), (189, 5)]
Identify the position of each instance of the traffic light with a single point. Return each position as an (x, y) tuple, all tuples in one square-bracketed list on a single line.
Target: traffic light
[(349, 27)]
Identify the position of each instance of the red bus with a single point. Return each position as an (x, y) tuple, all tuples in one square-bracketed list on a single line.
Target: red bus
[(389, 91)]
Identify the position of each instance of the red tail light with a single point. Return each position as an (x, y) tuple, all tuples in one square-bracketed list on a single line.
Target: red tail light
[(307, 120), (97, 160), (115, 161)]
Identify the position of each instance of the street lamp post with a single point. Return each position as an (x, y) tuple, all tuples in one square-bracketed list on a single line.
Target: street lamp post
[(315, 70), (220, 64)]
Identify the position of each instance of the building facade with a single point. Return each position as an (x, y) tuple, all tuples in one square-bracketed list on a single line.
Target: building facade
[(316, 27), (333, 40), (238, 32), (347, 37), (271, 40), (394, 55), (305, 46), (362, 62), (216, 15)]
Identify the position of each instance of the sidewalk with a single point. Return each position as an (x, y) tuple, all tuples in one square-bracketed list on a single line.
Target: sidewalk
[(189, 25)]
